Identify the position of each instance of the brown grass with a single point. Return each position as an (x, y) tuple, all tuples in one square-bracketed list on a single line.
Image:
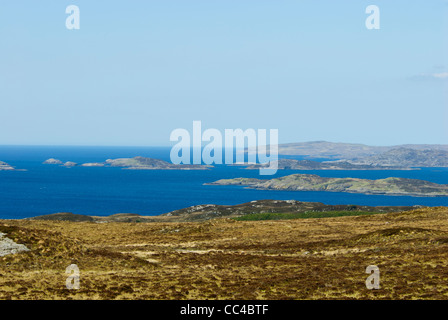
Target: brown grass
[(226, 259)]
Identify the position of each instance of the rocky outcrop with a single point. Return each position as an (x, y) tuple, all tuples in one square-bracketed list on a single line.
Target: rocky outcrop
[(7, 246)]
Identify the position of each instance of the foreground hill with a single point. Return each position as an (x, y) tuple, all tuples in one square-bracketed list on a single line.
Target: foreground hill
[(212, 211), (311, 182), (228, 259)]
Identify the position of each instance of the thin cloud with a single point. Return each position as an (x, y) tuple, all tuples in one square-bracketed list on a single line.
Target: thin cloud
[(441, 76)]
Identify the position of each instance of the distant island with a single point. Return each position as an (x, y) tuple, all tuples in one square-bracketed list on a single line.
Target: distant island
[(311, 182), (291, 164), (136, 163), (406, 157), (52, 161), (338, 151), (7, 167), (141, 163)]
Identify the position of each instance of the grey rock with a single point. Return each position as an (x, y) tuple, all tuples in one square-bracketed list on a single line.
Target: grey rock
[(7, 246)]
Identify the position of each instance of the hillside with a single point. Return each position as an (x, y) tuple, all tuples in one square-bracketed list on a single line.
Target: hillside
[(227, 259), (206, 212)]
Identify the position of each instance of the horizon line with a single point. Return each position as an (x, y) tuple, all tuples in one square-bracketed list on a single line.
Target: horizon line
[(170, 146)]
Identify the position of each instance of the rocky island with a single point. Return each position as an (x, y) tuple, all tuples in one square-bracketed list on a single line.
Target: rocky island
[(311, 182), (52, 161), (5, 167), (142, 163)]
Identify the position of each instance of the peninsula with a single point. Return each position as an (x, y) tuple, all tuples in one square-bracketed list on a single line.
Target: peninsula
[(311, 182)]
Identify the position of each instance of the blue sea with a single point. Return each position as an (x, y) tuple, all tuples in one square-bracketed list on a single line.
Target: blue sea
[(45, 189)]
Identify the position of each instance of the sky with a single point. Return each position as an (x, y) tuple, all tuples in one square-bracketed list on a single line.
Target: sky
[(137, 70)]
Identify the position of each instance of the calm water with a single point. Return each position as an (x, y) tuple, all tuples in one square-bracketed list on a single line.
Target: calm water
[(45, 189)]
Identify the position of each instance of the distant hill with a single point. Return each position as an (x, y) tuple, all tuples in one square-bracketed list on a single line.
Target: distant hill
[(311, 182), (291, 164), (332, 150), (63, 216), (407, 158)]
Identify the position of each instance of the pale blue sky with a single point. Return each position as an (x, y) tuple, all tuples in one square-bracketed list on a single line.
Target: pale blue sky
[(136, 70)]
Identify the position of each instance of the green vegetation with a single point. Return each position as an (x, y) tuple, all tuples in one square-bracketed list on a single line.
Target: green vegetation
[(300, 215)]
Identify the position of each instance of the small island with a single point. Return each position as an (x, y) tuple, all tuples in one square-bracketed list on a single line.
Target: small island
[(310, 182), (6, 167), (142, 163), (52, 161), (136, 163), (67, 164)]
